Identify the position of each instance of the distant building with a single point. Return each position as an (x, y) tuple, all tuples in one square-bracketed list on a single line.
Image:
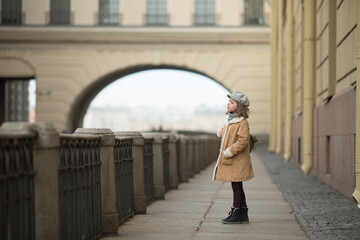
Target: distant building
[(149, 118)]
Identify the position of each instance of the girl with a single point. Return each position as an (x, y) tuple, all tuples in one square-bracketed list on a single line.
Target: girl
[(233, 163)]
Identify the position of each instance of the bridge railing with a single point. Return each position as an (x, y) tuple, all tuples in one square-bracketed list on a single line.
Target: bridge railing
[(79, 187), (124, 177), (88, 182), (17, 217)]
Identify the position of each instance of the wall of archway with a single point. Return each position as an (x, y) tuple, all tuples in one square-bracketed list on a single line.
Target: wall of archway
[(70, 78)]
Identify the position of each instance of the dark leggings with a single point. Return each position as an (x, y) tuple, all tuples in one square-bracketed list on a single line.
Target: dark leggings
[(239, 195)]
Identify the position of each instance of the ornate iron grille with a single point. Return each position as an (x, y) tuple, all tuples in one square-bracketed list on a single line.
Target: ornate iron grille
[(79, 184), (148, 169), (205, 12), (109, 12), (124, 178), (156, 12), (60, 12), (11, 12), (165, 152), (17, 218)]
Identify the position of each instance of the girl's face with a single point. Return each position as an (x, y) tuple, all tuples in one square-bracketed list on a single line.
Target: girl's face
[(231, 106)]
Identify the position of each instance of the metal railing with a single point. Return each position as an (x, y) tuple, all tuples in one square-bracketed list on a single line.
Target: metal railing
[(165, 153), (148, 170), (17, 217), (85, 183), (79, 187), (124, 177)]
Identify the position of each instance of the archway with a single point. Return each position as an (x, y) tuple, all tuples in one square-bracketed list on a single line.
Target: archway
[(83, 101)]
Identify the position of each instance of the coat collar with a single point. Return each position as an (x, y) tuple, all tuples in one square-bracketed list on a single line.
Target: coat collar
[(234, 120)]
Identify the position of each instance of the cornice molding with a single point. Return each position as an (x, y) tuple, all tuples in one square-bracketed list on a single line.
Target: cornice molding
[(127, 35)]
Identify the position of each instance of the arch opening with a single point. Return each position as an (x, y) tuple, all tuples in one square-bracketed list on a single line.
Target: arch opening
[(85, 99)]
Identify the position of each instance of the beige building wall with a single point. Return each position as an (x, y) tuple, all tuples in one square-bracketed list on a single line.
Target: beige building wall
[(133, 12), (85, 15), (322, 51), (345, 53), (67, 61), (65, 74), (185, 16), (229, 12), (35, 12), (346, 41), (333, 126)]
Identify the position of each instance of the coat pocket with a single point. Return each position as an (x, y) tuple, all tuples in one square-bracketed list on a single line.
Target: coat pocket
[(227, 161)]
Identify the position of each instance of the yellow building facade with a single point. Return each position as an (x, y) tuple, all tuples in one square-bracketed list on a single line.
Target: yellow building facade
[(315, 111), (75, 48)]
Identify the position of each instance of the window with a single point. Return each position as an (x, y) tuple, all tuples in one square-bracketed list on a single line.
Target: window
[(109, 12), (60, 12), (11, 12), (17, 101), (254, 12), (205, 12), (156, 12)]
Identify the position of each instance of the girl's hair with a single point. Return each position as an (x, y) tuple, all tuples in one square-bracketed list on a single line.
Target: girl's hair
[(242, 111)]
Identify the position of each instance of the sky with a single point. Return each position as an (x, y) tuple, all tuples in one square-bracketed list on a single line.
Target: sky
[(162, 88)]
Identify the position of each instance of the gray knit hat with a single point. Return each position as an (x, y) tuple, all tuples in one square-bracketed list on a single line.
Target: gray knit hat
[(240, 97)]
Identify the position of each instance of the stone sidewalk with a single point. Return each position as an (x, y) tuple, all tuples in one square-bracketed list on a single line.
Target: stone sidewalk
[(322, 212), (195, 209)]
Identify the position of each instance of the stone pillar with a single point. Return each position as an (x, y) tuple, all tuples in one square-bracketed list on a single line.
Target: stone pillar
[(196, 160), (159, 187), (173, 161), (138, 169), (108, 183), (184, 173), (46, 180), (190, 156)]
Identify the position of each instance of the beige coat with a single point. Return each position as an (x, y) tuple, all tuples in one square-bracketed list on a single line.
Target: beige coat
[(234, 162)]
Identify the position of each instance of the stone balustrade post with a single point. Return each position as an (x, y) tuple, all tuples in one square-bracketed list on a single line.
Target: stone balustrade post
[(202, 152), (159, 187), (184, 173), (138, 169), (46, 180), (108, 182), (173, 161), (190, 156), (196, 161)]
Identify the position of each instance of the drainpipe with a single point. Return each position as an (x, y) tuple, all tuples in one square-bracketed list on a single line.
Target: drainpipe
[(356, 194), (279, 77), (272, 139), (309, 80), (289, 78)]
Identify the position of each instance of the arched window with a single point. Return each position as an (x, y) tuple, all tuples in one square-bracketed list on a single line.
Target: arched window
[(254, 14), (156, 12), (11, 12), (205, 12), (60, 12), (109, 12)]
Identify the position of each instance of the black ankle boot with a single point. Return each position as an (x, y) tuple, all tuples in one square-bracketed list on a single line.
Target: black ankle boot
[(230, 213), (244, 215), (234, 217), (239, 215)]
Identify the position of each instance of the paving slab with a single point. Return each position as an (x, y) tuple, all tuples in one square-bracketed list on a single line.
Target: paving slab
[(194, 211)]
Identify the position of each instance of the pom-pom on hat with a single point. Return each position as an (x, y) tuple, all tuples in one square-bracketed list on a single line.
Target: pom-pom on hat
[(240, 97)]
